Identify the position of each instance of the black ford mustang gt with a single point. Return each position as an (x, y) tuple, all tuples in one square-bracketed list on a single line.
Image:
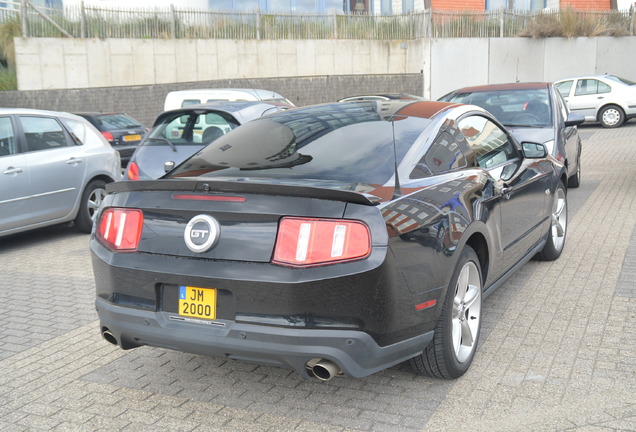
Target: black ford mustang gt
[(339, 238)]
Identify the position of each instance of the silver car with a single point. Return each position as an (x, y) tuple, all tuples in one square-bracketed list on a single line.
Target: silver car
[(607, 99), (54, 167)]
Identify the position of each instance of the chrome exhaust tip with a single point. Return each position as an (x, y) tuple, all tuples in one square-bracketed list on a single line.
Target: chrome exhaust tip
[(109, 336), (324, 369)]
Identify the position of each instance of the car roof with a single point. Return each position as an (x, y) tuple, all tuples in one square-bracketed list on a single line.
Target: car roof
[(587, 77), (504, 87), (32, 111), (230, 107)]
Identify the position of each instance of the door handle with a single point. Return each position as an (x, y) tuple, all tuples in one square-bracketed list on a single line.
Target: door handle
[(74, 161), (12, 170), (601, 97)]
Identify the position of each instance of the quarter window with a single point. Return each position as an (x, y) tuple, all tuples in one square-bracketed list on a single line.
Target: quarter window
[(8, 144), (43, 133), (444, 155)]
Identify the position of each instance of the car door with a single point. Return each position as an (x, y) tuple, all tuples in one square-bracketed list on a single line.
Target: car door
[(14, 177), (588, 94), (569, 134), (56, 168), (520, 187)]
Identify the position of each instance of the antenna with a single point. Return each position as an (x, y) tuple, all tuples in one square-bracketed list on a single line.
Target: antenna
[(397, 191), (255, 92)]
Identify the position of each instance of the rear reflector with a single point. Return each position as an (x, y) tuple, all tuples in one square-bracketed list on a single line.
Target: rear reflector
[(120, 229), (309, 242), (196, 197), (426, 305)]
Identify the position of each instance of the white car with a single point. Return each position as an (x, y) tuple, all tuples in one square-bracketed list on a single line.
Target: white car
[(607, 99), (184, 98), (54, 167)]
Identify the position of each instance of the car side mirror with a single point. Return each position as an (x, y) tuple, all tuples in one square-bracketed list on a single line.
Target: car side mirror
[(574, 119), (168, 166), (534, 150)]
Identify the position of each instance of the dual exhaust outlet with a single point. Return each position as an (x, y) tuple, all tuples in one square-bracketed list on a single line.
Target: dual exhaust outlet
[(322, 369)]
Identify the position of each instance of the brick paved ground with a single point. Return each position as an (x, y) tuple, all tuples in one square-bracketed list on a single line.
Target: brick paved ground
[(558, 351)]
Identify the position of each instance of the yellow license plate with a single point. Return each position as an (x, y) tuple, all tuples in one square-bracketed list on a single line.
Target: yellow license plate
[(197, 302), (132, 137)]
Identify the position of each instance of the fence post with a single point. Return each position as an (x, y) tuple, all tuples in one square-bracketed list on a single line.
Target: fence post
[(173, 22), (23, 15), (82, 20), (501, 23), (258, 24), (632, 10), (429, 23), (335, 24)]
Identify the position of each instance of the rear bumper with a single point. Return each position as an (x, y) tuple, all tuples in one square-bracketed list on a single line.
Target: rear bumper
[(355, 352)]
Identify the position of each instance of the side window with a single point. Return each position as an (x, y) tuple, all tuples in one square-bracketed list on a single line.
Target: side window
[(564, 88), (8, 143), (591, 86), (444, 155), (188, 102), (488, 142), (76, 129), (603, 88), (43, 133)]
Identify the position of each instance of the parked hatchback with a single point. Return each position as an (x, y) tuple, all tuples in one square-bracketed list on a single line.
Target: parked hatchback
[(123, 132), (54, 168), (532, 112), (178, 134), (607, 99)]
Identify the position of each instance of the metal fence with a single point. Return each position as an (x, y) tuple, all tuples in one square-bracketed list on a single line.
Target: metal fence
[(93, 22)]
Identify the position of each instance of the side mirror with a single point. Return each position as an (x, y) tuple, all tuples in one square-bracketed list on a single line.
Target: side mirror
[(534, 150), (168, 166), (574, 119)]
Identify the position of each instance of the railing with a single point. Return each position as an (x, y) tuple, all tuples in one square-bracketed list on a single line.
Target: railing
[(93, 22)]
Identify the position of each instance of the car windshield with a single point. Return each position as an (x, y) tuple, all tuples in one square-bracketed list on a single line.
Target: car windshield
[(190, 127), (110, 122), (354, 144), (520, 108), (620, 80)]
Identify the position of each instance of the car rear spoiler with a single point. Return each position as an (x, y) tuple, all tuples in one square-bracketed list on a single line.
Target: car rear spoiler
[(214, 186)]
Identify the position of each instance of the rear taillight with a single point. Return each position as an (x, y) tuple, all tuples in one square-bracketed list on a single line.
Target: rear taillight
[(132, 171), (120, 229), (108, 136), (308, 242)]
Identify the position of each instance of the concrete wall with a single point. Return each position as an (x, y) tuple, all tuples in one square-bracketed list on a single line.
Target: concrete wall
[(134, 75), (53, 63), (144, 103), (452, 63)]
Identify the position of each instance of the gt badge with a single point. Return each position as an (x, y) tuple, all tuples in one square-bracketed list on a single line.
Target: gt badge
[(201, 233)]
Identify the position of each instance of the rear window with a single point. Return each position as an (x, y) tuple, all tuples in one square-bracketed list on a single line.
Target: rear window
[(352, 144), (110, 122), (527, 107), (191, 127)]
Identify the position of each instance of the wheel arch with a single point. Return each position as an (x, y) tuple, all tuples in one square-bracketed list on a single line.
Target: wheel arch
[(606, 105), (478, 242)]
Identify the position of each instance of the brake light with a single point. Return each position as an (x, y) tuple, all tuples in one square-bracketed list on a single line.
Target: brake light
[(132, 171), (308, 242), (120, 229), (108, 136)]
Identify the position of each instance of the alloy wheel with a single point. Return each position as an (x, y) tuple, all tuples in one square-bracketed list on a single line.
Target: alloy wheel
[(559, 219), (466, 315)]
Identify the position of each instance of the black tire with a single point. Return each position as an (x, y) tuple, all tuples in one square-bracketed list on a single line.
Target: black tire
[(449, 355), (91, 199), (611, 116), (575, 180), (558, 226)]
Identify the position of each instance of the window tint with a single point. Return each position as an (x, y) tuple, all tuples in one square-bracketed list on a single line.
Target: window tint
[(562, 106), (8, 144), (489, 143), (564, 88), (591, 86), (192, 128), (188, 102), (445, 154), (108, 122), (43, 133)]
